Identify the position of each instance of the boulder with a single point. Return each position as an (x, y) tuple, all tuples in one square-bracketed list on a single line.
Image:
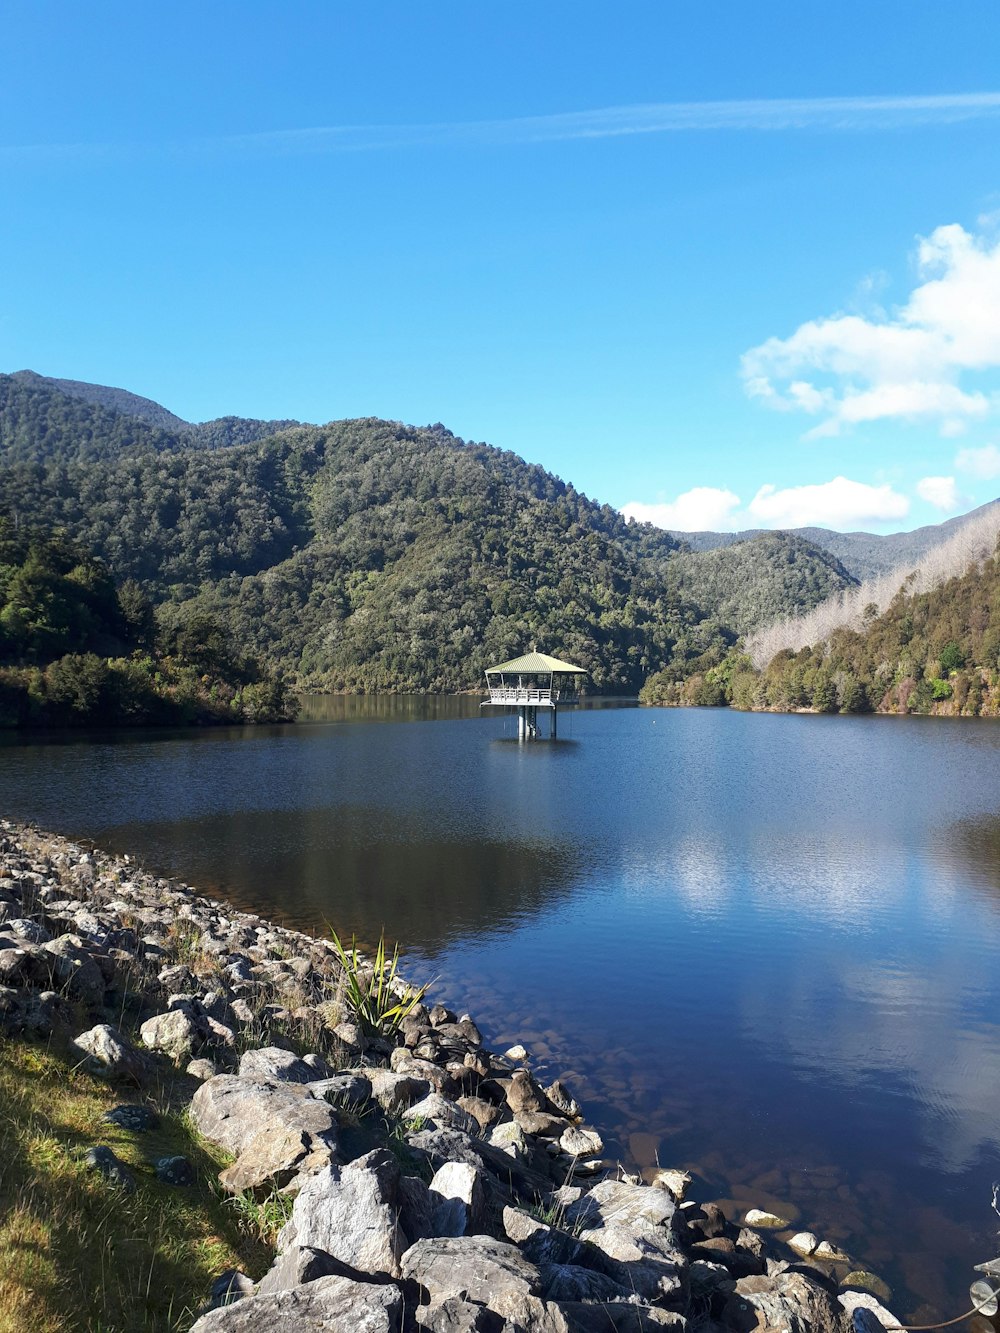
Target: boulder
[(761, 1219), (477, 1267), (230, 1110), (615, 1317), (571, 1282), (789, 1300), (852, 1301), (174, 1033), (270, 1158), (298, 1265), (394, 1092), (111, 1167), (74, 972), (328, 1303), (579, 1142), (438, 1112), (483, 1112), (644, 1260), (673, 1181), (804, 1243), (275, 1065), (614, 1202), (458, 1200), (563, 1100), (540, 1243), (175, 1171), (136, 1119), (860, 1277), (107, 1053), (524, 1094), (351, 1212)]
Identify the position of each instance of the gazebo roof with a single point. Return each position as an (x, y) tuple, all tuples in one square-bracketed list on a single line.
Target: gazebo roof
[(538, 663)]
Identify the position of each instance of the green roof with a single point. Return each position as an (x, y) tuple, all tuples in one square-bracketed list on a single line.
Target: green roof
[(538, 663)]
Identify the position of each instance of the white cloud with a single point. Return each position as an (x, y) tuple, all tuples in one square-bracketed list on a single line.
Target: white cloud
[(703, 509), (941, 492), (850, 369), (983, 463), (839, 503)]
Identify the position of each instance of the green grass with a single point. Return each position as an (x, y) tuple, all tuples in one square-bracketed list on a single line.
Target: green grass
[(78, 1254)]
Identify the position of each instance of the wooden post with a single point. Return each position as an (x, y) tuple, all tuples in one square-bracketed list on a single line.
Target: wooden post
[(555, 715)]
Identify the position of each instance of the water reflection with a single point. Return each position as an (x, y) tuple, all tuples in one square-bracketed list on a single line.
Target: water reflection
[(764, 948)]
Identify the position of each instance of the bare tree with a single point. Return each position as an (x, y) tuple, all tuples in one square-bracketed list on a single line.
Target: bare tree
[(853, 608)]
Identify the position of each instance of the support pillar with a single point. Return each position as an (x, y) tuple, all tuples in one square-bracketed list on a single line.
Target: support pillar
[(555, 726)]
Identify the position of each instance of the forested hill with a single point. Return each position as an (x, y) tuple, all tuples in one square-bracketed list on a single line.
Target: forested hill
[(863, 555), (369, 555), (936, 651), (176, 433)]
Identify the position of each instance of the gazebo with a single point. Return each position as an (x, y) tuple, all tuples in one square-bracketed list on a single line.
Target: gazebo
[(531, 682)]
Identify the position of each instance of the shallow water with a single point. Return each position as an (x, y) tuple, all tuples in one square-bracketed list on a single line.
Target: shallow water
[(762, 947)]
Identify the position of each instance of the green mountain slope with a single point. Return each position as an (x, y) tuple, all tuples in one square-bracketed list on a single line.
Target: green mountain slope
[(753, 582), (368, 555)]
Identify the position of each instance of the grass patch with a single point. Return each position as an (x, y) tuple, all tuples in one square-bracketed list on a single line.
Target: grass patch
[(78, 1254)]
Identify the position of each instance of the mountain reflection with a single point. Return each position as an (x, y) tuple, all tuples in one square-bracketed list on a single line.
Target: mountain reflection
[(358, 870)]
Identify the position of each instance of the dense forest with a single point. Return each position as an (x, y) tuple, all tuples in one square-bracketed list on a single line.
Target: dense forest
[(75, 648), (369, 556), (936, 651)]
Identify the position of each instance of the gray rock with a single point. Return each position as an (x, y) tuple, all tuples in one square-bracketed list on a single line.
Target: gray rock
[(350, 1088), (476, 1267), (580, 1142), (394, 1092), (275, 1065), (571, 1282), (644, 1260), (136, 1119), (228, 1287), (73, 970), (351, 1212), (563, 1100), (615, 1317), (26, 929), (416, 1208), (111, 1167), (457, 1315), (790, 1300), (858, 1301), (338, 1304), (483, 1112), (272, 1157), (230, 1110), (175, 1171), (107, 1053), (458, 1200), (174, 1033), (201, 1068), (438, 1112), (540, 1243), (621, 1204), (524, 1094), (298, 1265)]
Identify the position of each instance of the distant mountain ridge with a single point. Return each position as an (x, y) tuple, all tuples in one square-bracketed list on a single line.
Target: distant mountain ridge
[(218, 433), (369, 555), (863, 554)]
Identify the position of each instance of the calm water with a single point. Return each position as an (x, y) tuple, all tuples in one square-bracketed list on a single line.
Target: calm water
[(765, 948)]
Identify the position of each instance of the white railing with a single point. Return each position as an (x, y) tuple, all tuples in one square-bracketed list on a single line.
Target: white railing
[(510, 694)]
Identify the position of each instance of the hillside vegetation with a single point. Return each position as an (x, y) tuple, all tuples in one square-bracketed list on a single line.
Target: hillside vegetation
[(75, 648), (371, 556), (931, 651)]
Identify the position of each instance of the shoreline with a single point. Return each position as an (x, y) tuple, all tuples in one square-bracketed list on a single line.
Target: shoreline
[(258, 1018)]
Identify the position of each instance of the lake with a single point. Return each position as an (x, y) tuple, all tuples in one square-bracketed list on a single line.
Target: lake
[(762, 947)]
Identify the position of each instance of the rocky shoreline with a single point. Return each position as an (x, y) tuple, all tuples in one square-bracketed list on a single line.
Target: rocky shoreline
[(425, 1181)]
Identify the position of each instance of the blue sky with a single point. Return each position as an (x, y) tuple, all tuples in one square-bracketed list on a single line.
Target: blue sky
[(723, 265)]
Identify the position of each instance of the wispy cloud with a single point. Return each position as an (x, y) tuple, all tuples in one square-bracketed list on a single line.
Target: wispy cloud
[(830, 114)]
